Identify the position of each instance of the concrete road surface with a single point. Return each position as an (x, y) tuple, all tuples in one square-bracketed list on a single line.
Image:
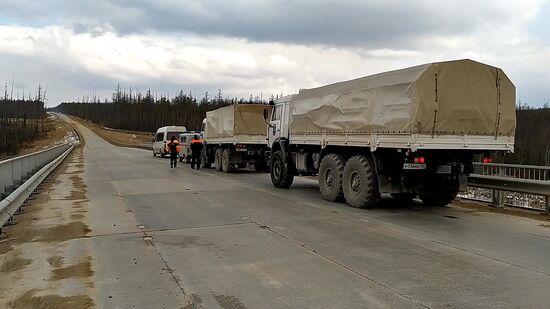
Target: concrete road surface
[(147, 236)]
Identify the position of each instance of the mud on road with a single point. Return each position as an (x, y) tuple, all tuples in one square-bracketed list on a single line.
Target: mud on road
[(44, 252)]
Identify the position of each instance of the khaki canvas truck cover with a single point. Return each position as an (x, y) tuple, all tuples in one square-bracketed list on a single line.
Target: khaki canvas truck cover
[(455, 97), (244, 122)]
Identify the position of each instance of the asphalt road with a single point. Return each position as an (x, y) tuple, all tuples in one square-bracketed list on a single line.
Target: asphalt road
[(181, 238)]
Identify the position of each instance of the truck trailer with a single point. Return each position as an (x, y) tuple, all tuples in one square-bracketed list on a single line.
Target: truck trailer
[(410, 132), (235, 136)]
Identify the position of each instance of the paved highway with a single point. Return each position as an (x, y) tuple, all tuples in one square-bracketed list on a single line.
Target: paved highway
[(137, 234)]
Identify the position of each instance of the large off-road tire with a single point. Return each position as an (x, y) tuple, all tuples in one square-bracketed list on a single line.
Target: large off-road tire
[(204, 160), (218, 159), (280, 174), (225, 158), (437, 198), (440, 192), (360, 183), (260, 166), (403, 198), (331, 172)]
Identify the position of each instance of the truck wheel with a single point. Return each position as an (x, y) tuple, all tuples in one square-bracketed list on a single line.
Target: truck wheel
[(226, 166), (259, 166), (280, 176), (440, 192), (403, 198), (330, 177), (360, 183), (437, 199), (218, 159), (204, 161), (154, 154)]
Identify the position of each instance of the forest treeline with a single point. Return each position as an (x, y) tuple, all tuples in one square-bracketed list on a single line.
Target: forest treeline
[(532, 137), (146, 112), (21, 121)]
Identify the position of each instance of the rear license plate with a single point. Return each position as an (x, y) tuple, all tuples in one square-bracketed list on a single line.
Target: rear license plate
[(251, 152), (414, 166), (241, 149)]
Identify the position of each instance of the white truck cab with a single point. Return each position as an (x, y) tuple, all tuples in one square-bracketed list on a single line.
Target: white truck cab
[(278, 124)]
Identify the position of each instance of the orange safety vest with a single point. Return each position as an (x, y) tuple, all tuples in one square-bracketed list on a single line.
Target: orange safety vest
[(178, 147), (196, 141)]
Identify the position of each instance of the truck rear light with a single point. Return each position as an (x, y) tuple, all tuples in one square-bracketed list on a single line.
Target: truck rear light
[(487, 160), (419, 160)]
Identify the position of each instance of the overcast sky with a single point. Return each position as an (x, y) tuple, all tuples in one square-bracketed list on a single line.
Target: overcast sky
[(263, 46)]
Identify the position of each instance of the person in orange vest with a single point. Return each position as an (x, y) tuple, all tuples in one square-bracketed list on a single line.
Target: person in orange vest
[(173, 148), (196, 151)]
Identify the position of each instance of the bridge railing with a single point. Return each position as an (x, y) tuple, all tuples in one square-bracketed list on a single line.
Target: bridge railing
[(20, 176), (525, 186)]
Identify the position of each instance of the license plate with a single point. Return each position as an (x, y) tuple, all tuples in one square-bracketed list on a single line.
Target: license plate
[(414, 166), (241, 149), (251, 152)]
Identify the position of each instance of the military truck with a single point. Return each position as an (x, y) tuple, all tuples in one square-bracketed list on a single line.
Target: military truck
[(410, 132), (235, 137)]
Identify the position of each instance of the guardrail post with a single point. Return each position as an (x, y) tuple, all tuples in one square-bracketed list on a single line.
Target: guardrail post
[(496, 198), (547, 204)]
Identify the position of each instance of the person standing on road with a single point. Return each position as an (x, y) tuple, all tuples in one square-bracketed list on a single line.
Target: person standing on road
[(173, 149), (196, 151)]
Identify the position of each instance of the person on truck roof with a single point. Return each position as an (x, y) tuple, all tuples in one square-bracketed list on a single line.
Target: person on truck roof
[(173, 148), (196, 151)]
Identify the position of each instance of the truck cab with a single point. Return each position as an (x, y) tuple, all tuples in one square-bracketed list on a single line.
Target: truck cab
[(278, 124)]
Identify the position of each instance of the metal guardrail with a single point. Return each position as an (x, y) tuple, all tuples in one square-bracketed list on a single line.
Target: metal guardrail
[(20, 176), (524, 179)]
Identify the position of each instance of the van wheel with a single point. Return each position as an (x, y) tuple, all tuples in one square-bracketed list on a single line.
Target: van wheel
[(226, 166), (360, 183), (218, 159), (280, 174), (330, 177)]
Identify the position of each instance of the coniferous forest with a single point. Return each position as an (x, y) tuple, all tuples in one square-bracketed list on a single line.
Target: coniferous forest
[(147, 112), (21, 120)]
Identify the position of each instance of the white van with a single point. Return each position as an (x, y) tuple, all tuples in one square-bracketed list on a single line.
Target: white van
[(163, 136), (185, 142)]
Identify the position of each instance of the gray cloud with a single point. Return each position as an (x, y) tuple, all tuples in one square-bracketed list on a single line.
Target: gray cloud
[(322, 41), (326, 22)]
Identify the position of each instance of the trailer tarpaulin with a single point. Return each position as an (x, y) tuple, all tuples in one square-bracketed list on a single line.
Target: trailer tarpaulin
[(235, 120), (454, 97)]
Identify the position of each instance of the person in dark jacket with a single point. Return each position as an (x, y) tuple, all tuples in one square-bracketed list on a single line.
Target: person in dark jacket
[(173, 148), (196, 151)]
